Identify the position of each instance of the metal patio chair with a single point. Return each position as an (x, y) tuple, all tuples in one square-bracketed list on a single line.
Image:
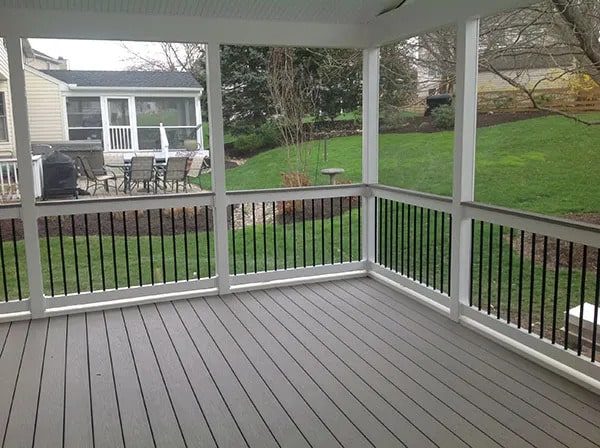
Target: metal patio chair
[(141, 172), (93, 179), (173, 174), (197, 163)]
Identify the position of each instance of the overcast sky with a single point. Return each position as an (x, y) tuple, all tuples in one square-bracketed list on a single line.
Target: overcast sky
[(93, 54)]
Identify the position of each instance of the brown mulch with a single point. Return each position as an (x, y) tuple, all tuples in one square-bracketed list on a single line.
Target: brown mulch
[(324, 209), (591, 260)]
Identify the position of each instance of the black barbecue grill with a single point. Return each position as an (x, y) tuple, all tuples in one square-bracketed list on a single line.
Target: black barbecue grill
[(60, 176)]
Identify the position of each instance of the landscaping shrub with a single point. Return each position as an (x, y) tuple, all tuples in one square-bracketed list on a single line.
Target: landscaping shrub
[(443, 117), (265, 137), (391, 119)]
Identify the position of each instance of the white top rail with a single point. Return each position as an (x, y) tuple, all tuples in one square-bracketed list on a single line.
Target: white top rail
[(426, 200)]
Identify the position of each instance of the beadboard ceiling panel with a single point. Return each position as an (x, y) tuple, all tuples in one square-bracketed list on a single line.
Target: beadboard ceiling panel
[(316, 11)]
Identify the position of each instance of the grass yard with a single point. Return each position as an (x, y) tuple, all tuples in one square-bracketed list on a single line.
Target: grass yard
[(546, 165)]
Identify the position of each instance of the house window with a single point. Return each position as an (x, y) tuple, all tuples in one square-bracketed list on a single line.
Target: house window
[(3, 121), (84, 118), (178, 116)]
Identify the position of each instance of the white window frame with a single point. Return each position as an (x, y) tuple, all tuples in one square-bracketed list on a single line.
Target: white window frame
[(69, 128), (4, 118)]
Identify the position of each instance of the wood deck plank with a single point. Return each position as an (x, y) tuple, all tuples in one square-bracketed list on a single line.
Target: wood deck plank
[(9, 370), (21, 424), (217, 413), (302, 415), (108, 430), (50, 408), (492, 380), (416, 406), (164, 423), (134, 417), (185, 401), (78, 426), (257, 410)]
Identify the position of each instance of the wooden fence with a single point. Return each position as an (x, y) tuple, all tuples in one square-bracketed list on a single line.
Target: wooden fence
[(561, 99)]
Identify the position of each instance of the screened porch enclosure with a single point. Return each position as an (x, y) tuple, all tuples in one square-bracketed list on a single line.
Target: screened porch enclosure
[(342, 315)]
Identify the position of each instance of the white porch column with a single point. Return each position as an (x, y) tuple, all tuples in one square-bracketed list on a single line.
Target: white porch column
[(29, 214), (370, 147), (217, 164), (465, 132)]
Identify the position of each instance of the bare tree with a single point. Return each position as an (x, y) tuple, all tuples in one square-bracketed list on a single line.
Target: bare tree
[(293, 93)]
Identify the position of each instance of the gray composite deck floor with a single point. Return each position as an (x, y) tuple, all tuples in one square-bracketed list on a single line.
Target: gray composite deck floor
[(347, 363)]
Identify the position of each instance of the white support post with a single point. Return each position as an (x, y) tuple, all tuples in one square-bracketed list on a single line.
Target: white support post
[(465, 132), (370, 147), (217, 164), (29, 214)]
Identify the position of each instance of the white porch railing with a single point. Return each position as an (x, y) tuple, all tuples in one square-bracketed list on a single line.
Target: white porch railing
[(120, 138), (108, 252), (9, 179)]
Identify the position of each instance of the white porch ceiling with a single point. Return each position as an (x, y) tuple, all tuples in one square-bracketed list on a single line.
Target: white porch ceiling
[(316, 23)]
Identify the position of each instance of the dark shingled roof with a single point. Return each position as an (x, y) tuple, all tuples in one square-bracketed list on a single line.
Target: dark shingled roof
[(101, 78)]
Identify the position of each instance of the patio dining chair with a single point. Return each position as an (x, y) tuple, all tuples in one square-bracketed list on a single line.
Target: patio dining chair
[(93, 179), (141, 172), (173, 174), (196, 164), (114, 162)]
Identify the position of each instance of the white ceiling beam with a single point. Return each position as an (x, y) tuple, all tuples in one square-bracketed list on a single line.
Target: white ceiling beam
[(426, 15), (39, 23)]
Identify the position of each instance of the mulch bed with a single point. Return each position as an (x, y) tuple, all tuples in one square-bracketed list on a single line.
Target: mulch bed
[(324, 209)]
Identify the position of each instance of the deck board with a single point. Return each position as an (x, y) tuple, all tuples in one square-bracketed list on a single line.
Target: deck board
[(347, 363)]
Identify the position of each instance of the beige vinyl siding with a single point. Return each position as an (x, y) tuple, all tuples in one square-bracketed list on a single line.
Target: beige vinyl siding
[(45, 106), (489, 82), (7, 148)]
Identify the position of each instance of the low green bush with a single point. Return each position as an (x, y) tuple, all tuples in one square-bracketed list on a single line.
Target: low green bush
[(266, 136), (443, 117)]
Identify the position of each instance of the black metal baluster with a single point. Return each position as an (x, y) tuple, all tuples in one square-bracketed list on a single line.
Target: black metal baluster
[(596, 307), (75, 254), (435, 245), (331, 237), (427, 259), (531, 282), (397, 252), (480, 289), (284, 238), (62, 253), (294, 248), (350, 229), (421, 231), (360, 240), (185, 244), (101, 247), (244, 239), (174, 239), (449, 264), (408, 240), (323, 232), (402, 241), (414, 241), (568, 304), (314, 255), (490, 268), (442, 250), (208, 246), (139, 246), (556, 284), (264, 216), (89, 252), (510, 275), (49, 253), (162, 245), (275, 236), (254, 236), (4, 282), (472, 264), (126, 244), (197, 242), (150, 248), (303, 234), (521, 260), (114, 249), (543, 300), (341, 231), (233, 246), (582, 298), (386, 241), (499, 298)]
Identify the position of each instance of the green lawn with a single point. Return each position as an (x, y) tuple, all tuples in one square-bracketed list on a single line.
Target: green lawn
[(547, 165)]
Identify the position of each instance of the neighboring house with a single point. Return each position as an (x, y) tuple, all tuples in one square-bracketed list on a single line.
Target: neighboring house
[(122, 109)]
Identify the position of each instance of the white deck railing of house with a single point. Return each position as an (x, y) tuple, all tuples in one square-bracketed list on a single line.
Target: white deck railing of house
[(9, 179), (527, 272), (120, 138)]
